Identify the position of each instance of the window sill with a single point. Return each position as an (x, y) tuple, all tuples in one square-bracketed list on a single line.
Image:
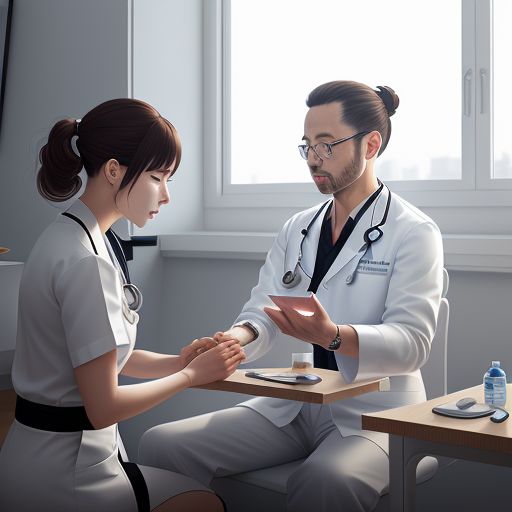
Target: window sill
[(216, 244), (475, 253)]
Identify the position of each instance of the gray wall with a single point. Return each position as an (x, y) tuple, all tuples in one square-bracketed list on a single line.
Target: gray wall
[(68, 55), (167, 72)]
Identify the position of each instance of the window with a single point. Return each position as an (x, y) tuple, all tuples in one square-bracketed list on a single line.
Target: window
[(280, 51), (447, 62), (502, 71)]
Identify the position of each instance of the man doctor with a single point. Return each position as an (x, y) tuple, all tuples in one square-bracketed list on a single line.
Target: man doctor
[(368, 265)]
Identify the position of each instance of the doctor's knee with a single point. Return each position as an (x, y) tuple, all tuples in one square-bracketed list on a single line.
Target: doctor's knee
[(155, 443)]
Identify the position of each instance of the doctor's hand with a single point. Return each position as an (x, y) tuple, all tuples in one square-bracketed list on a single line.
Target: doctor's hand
[(303, 318), (240, 334), (217, 363), (191, 351)]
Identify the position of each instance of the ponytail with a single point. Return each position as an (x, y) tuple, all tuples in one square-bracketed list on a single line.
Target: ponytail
[(389, 98), (57, 178), (128, 130)]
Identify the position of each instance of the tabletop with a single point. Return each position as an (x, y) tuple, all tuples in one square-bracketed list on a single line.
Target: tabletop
[(332, 388), (419, 422)]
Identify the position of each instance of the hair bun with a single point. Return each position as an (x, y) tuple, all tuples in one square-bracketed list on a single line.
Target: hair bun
[(389, 98)]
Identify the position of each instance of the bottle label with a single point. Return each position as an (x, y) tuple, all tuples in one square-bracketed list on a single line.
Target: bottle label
[(495, 390)]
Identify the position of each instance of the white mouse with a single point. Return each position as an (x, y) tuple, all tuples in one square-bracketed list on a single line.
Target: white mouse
[(465, 403)]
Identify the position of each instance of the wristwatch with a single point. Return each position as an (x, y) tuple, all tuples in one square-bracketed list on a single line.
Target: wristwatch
[(249, 326), (336, 342)]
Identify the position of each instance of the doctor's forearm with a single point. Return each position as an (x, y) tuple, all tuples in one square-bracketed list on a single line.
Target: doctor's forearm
[(243, 334), (350, 341), (240, 333)]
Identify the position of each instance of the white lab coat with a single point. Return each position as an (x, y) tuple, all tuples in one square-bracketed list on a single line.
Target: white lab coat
[(392, 301)]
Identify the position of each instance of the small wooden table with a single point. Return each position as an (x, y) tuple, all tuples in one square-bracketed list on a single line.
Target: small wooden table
[(332, 388), (415, 431)]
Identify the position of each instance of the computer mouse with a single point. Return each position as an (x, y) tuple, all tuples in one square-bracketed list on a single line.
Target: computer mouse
[(465, 403), (499, 415)]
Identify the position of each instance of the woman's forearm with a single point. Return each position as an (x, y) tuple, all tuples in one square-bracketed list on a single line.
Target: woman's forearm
[(133, 399), (143, 364), (106, 402)]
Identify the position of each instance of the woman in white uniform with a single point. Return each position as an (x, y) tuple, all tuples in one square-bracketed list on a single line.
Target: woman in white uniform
[(77, 328)]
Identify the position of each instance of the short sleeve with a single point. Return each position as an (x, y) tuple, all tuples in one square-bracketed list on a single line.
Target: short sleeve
[(89, 295)]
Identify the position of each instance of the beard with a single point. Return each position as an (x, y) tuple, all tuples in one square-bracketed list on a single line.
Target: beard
[(351, 173)]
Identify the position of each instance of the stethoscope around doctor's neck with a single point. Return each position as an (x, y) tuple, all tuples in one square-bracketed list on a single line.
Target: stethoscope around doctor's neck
[(132, 294), (292, 278)]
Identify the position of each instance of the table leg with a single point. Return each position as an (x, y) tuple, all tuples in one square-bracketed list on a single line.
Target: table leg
[(396, 473), (403, 461)]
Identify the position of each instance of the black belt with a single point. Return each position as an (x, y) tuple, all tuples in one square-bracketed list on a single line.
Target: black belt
[(74, 419)]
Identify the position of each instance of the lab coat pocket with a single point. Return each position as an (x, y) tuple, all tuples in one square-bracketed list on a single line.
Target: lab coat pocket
[(100, 482), (96, 447)]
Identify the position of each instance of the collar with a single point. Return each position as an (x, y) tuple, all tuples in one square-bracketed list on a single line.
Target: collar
[(80, 210), (373, 214), (355, 211), (355, 244)]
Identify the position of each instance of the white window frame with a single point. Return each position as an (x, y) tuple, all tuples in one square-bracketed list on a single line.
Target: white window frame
[(440, 198)]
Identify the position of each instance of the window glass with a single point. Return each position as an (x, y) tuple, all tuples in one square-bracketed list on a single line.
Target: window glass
[(502, 113), (281, 50)]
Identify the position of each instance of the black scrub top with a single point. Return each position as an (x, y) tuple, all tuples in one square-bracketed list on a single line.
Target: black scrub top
[(326, 254)]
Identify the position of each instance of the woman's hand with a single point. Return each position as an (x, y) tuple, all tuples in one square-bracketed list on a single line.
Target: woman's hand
[(217, 363), (191, 351)]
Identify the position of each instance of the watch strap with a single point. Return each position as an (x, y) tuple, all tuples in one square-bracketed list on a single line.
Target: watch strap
[(249, 326), (336, 342)]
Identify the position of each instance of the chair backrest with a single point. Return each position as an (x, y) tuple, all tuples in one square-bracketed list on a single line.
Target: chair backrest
[(434, 371)]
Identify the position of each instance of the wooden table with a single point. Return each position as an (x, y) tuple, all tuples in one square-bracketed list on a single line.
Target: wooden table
[(415, 431), (333, 387)]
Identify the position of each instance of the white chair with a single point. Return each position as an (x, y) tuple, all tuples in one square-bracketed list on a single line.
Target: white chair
[(265, 489)]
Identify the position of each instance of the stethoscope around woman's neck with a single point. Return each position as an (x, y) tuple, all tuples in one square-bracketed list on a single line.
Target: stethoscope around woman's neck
[(292, 278), (132, 294)]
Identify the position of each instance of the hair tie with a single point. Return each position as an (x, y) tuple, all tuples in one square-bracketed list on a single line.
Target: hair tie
[(77, 122), (387, 98)]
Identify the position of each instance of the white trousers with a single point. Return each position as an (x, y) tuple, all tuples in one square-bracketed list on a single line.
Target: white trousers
[(346, 474)]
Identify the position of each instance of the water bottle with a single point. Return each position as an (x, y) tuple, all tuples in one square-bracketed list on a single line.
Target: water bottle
[(495, 385)]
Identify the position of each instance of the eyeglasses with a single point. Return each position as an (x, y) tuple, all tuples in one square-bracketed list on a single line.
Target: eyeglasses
[(323, 150)]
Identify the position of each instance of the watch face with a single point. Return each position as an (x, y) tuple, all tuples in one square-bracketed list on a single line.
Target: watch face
[(335, 344)]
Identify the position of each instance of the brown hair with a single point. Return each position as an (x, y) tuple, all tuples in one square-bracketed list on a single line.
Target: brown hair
[(362, 108), (130, 131)]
